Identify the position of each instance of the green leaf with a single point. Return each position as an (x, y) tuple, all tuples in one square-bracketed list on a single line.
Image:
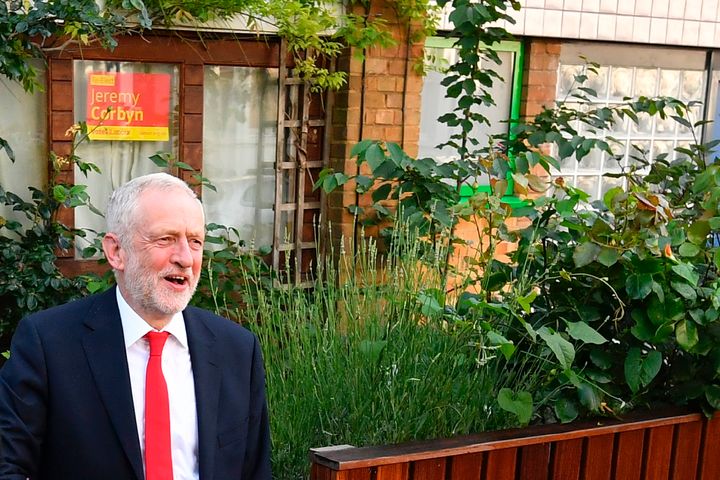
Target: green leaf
[(697, 232), (563, 350), (520, 404), (585, 333), (589, 397), (566, 410), (638, 286), (687, 291), (639, 371), (382, 192), (526, 301), (372, 349), (429, 305), (686, 334), (608, 256), (688, 250), (686, 271), (507, 348), (712, 395), (601, 358), (360, 147), (585, 253), (374, 156)]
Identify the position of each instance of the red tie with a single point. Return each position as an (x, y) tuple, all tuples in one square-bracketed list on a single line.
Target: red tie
[(158, 459)]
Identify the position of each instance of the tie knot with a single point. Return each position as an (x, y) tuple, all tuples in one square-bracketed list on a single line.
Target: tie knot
[(157, 342)]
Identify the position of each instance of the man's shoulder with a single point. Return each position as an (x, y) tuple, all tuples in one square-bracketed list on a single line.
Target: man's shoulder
[(75, 310)]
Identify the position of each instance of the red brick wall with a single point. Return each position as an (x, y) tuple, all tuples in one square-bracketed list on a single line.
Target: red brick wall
[(381, 101)]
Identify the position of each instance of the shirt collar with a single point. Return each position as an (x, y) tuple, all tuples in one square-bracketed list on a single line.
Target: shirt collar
[(135, 328)]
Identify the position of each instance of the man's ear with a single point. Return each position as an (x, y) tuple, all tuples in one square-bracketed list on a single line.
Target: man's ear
[(113, 251)]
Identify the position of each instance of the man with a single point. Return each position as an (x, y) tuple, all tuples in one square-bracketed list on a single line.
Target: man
[(83, 398)]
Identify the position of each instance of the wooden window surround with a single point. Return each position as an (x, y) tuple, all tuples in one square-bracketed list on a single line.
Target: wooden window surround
[(301, 124)]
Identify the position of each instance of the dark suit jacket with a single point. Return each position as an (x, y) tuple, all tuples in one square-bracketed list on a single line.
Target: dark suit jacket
[(66, 409)]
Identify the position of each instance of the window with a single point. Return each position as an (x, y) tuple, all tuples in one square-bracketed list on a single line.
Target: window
[(25, 130), (434, 103), (121, 135), (239, 139), (631, 72)]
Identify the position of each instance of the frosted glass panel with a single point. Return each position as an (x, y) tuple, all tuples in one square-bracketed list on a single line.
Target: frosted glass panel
[(434, 104), (239, 144), (26, 132), (119, 160)]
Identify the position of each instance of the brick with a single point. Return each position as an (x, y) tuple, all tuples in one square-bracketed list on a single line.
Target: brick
[(386, 83), (552, 47), (386, 117), (394, 100), (393, 134), (399, 117), (397, 67), (376, 66), (414, 85), (372, 132), (354, 83), (539, 94), (540, 78), (374, 100)]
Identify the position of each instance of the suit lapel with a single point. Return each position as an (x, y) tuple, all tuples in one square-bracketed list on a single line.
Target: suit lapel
[(206, 374), (105, 350)]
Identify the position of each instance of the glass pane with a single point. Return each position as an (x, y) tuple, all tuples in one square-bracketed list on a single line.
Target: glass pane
[(591, 161), (662, 147), (692, 85), (589, 184), (666, 126), (646, 81), (621, 85), (566, 80), (643, 125), (669, 83), (639, 155), (143, 100), (598, 82), (26, 132), (239, 147), (606, 183)]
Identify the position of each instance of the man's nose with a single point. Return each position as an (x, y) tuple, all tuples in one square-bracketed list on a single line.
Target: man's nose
[(182, 256)]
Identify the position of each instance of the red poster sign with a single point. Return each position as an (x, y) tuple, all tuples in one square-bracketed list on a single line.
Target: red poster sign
[(128, 106)]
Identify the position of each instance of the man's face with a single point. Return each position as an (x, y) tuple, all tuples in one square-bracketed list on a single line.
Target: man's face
[(164, 258)]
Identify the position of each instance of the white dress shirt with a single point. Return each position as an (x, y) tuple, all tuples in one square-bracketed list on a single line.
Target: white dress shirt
[(177, 370)]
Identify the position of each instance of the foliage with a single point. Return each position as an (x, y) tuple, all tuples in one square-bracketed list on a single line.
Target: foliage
[(367, 357), (30, 279), (28, 29), (618, 297)]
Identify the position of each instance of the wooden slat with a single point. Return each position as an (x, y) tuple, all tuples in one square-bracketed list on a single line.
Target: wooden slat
[(710, 455), (566, 459), (501, 464), (355, 474), (397, 471), (279, 157), (431, 469), (658, 452), (597, 464), (465, 467), (320, 472), (686, 451), (413, 451), (535, 462), (628, 455)]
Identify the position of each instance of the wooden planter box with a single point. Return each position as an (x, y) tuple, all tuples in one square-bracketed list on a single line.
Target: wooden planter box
[(670, 445)]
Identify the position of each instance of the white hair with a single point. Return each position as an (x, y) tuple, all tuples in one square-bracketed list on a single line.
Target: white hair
[(122, 206)]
